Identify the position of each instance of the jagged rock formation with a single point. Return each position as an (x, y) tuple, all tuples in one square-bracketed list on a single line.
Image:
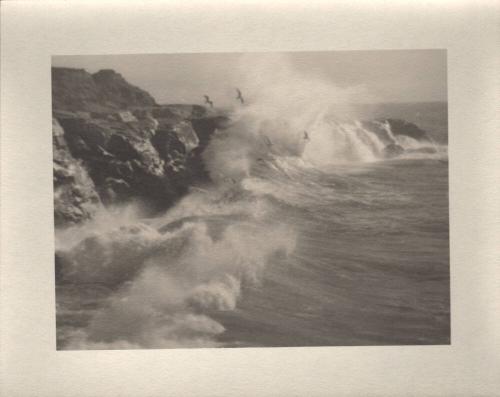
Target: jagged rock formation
[(75, 197), (403, 127), (106, 90), (390, 131), (384, 128), (114, 144)]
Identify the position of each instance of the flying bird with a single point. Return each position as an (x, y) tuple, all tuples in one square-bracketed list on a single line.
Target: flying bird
[(240, 97), (208, 101)]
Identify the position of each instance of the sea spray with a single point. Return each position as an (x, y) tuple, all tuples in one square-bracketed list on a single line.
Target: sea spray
[(164, 281), (163, 286)]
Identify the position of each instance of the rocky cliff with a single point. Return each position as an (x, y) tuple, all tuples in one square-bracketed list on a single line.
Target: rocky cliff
[(113, 143), (106, 90)]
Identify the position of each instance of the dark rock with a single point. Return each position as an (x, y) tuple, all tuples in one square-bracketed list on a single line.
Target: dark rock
[(73, 89), (106, 90), (126, 117), (179, 112), (402, 127), (116, 91), (122, 148), (165, 112), (84, 136), (75, 196), (384, 128), (105, 154), (167, 143), (114, 144), (393, 150)]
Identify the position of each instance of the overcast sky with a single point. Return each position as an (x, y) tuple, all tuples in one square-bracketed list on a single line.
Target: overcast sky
[(372, 76)]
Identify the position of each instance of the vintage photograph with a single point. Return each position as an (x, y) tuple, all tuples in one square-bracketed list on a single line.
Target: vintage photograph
[(251, 199)]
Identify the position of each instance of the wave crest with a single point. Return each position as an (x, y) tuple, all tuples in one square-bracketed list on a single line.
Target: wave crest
[(162, 287)]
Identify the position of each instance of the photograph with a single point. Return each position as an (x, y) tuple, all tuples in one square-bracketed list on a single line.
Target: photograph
[(251, 199)]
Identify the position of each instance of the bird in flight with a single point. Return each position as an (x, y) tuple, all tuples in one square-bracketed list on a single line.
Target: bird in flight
[(208, 101), (240, 97)]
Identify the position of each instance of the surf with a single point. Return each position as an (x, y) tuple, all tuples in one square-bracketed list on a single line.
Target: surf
[(288, 164)]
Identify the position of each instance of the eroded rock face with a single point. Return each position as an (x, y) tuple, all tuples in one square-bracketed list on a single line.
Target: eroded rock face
[(104, 91), (75, 195), (121, 159), (113, 144)]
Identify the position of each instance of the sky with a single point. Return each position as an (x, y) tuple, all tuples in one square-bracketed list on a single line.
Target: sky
[(360, 76)]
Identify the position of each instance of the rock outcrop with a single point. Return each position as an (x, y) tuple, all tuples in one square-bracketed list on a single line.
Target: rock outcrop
[(403, 127), (392, 132), (388, 129), (113, 144), (75, 195), (106, 90), (393, 150)]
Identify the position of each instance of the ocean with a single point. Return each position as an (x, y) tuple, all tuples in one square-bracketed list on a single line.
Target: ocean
[(306, 236)]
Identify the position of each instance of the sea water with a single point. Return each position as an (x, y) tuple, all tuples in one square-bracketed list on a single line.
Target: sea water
[(300, 239)]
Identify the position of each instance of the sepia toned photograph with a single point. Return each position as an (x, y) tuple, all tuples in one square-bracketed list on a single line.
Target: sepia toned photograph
[(275, 199)]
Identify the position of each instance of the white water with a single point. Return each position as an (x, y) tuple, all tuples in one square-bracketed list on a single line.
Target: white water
[(164, 278)]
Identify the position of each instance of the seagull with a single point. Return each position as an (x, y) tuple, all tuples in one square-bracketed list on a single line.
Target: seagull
[(207, 100), (239, 96)]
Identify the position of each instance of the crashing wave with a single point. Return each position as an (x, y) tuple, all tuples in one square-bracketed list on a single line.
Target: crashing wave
[(128, 282)]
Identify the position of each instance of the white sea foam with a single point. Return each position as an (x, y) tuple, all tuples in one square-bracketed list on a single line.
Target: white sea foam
[(289, 115), (167, 276), (163, 286)]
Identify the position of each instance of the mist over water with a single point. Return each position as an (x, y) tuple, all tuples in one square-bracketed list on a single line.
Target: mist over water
[(307, 235)]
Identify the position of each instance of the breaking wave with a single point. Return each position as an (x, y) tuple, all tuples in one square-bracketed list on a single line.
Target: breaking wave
[(127, 282), (163, 282)]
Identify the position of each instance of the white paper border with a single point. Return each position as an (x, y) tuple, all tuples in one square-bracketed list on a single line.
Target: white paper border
[(33, 31)]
